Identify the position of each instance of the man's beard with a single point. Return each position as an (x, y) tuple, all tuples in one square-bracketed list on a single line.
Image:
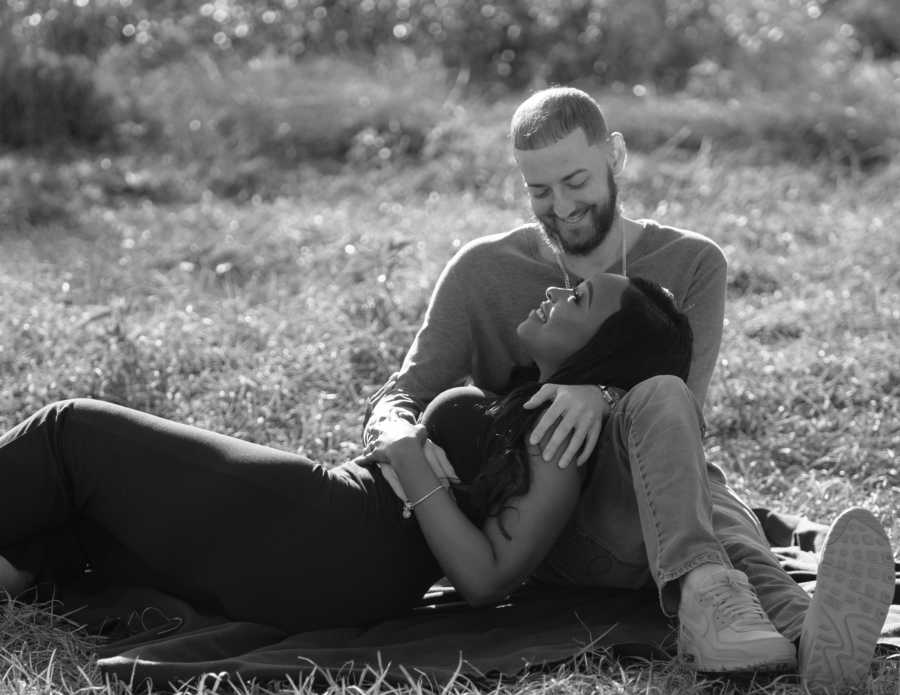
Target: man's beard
[(601, 217)]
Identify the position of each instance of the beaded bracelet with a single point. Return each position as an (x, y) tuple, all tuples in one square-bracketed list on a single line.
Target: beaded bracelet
[(409, 506)]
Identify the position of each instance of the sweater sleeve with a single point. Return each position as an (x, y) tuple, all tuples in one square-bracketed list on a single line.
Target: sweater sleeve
[(704, 304), (439, 358)]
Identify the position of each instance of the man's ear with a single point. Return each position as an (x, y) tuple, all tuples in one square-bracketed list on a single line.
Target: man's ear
[(618, 154)]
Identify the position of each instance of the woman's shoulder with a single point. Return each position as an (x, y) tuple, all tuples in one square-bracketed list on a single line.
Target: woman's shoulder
[(538, 461), (456, 405), (457, 420)]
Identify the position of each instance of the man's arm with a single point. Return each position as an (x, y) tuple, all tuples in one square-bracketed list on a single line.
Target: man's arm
[(439, 358), (386, 406), (704, 305), (577, 412)]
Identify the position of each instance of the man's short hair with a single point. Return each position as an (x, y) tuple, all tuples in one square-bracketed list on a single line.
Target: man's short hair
[(547, 116)]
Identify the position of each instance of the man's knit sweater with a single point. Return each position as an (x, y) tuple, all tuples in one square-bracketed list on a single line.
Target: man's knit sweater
[(490, 285)]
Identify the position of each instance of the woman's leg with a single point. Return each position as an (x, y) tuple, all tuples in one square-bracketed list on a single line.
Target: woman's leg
[(12, 579), (249, 531)]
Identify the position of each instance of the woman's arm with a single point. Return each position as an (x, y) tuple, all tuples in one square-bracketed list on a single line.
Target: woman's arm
[(483, 564)]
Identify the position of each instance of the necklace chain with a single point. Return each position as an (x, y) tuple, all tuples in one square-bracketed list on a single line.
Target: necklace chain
[(562, 266)]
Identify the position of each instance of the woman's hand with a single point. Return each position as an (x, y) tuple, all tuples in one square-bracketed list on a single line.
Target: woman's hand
[(438, 462), (402, 433), (394, 432), (580, 410)]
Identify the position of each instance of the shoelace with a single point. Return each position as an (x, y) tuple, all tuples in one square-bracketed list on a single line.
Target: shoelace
[(735, 601)]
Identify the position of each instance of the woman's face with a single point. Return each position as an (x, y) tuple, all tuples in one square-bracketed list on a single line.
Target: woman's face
[(567, 319)]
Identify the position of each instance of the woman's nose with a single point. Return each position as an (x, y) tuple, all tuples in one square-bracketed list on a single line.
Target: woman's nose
[(553, 293)]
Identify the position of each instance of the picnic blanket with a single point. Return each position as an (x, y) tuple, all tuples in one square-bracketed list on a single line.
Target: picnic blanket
[(152, 636)]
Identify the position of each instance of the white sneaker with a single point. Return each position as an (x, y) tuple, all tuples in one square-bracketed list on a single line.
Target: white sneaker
[(723, 628), (854, 589)]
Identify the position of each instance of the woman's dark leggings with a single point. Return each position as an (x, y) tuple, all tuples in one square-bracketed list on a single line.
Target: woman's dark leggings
[(243, 530)]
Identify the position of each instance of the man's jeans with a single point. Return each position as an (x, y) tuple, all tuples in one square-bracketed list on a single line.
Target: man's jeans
[(653, 509)]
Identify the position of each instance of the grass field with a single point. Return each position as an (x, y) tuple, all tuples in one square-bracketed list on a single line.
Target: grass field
[(268, 302)]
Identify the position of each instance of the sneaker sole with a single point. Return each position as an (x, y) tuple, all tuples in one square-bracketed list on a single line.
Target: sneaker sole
[(854, 589), (782, 658), (739, 665)]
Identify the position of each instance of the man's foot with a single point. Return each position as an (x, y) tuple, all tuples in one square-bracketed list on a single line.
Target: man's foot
[(854, 589), (723, 628)]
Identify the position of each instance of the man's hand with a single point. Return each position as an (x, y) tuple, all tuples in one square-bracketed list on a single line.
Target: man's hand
[(395, 432), (580, 409), (399, 436), (390, 432), (399, 433)]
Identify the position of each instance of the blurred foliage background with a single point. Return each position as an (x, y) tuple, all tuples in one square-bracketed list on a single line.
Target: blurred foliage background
[(104, 71), (190, 153)]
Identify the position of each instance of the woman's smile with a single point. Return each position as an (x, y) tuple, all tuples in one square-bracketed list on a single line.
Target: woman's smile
[(567, 317), (542, 311)]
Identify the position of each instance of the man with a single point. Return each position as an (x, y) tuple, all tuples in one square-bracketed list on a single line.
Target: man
[(486, 289), (569, 161)]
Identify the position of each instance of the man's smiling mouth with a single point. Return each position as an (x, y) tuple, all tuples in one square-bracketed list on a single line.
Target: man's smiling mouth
[(573, 219)]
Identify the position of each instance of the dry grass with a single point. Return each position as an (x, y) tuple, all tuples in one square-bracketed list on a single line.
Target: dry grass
[(42, 651), (274, 317)]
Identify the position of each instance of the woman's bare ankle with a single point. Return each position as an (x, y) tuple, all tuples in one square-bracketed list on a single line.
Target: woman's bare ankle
[(13, 580)]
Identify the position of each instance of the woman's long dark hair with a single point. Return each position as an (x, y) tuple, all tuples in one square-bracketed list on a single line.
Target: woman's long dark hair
[(646, 337)]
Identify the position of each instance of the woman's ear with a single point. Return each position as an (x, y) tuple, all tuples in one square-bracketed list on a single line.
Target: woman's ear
[(618, 155)]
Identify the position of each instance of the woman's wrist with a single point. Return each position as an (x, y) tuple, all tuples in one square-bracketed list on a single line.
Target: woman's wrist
[(418, 481), (408, 460), (410, 505), (405, 453)]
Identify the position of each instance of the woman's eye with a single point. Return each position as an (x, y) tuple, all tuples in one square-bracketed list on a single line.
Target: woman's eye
[(541, 193)]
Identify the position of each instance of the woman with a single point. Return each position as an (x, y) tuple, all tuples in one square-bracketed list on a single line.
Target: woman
[(258, 534), (518, 501)]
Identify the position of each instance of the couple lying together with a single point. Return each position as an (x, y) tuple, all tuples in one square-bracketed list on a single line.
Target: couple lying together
[(455, 482), (258, 534)]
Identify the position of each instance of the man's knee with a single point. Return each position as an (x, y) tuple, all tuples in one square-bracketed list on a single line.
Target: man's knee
[(657, 389), (661, 400)]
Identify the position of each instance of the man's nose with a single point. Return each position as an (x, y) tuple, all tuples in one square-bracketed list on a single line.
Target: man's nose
[(563, 205)]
